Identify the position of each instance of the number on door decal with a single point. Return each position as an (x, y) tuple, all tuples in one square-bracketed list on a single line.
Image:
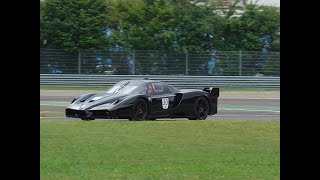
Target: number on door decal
[(165, 103)]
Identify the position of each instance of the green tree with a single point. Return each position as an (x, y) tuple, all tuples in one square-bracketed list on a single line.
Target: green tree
[(145, 24), (196, 26), (168, 25), (244, 32), (275, 44), (73, 24)]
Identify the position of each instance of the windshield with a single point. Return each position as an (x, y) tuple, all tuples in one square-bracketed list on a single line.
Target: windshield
[(127, 89)]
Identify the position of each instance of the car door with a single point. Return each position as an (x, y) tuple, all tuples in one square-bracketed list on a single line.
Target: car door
[(162, 99)]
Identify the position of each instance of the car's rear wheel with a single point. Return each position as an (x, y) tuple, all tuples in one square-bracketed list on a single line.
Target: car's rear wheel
[(139, 111), (200, 109)]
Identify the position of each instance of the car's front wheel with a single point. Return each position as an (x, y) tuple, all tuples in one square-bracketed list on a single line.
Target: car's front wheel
[(139, 111), (87, 119), (200, 109), (152, 118)]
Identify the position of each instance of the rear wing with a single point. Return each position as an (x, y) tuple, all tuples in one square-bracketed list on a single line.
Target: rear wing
[(212, 91), (213, 94)]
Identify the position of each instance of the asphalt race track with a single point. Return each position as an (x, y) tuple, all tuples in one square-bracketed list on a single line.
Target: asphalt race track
[(230, 106)]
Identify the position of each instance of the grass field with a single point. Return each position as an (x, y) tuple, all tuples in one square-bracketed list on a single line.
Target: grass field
[(160, 150)]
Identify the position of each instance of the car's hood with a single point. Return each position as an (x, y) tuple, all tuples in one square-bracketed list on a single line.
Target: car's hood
[(96, 100)]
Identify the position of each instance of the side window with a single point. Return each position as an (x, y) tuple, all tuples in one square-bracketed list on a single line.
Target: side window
[(173, 90), (150, 89), (155, 88), (158, 87)]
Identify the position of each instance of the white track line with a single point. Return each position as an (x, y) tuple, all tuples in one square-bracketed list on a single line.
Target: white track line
[(262, 110), (51, 117), (248, 98), (253, 115)]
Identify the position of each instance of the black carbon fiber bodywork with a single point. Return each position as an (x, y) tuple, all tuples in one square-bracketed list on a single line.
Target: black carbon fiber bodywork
[(169, 102)]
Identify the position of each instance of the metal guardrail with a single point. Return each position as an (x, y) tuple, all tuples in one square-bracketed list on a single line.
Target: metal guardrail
[(177, 81)]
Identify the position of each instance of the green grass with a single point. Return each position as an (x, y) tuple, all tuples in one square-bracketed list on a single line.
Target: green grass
[(159, 150), (52, 113), (93, 88)]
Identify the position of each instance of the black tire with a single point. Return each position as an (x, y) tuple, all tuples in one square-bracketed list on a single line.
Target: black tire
[(152, 119), (139, 111), (200, 109), (87, 119)]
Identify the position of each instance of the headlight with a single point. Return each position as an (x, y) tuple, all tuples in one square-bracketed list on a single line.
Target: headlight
[(102, 106), (106, 105)]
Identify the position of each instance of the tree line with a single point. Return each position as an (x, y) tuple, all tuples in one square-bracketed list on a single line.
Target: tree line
[(169, 25)]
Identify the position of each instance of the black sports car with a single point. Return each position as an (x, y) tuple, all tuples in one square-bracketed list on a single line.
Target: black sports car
[(145, 99)]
